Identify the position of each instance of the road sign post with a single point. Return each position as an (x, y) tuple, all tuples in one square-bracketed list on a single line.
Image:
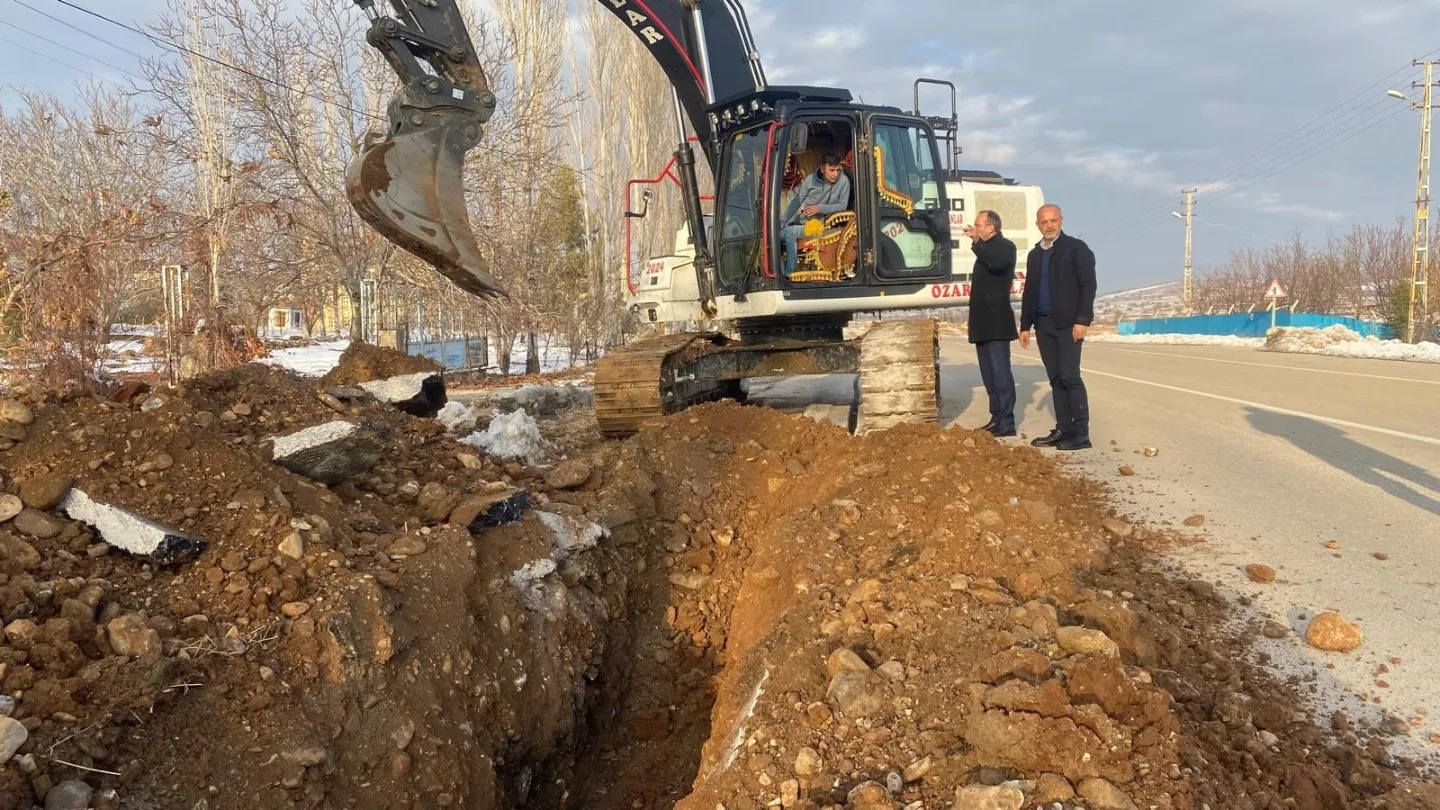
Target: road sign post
[(1274, 293)]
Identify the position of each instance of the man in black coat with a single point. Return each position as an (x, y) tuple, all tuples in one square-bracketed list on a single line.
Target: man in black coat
[(992, 321), (1058, 305)]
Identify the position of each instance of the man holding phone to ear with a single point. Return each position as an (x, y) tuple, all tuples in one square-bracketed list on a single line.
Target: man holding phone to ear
[(1057, 308)]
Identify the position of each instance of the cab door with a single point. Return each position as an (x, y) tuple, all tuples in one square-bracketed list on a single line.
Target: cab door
[(910, 237)]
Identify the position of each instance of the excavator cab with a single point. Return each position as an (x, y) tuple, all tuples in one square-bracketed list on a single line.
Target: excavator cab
[(893, 227)]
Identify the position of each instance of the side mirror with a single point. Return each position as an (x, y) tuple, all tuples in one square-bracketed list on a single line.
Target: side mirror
[(798, 138), (645, 198)]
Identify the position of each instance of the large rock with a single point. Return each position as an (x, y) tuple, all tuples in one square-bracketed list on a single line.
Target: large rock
[(1102, 795), (37, 524), (18, 553), (330, 452), (130, 635), (1083, 641), (852, 693), (1329, 631), (13, 410), (568, 475), (129, 532), (72, 794), (982, 797), (12, 735), (419, 394), (44, 492)]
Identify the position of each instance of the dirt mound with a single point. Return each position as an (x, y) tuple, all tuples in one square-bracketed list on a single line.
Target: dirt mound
[(887, 620), (363, 362), (739, 607)]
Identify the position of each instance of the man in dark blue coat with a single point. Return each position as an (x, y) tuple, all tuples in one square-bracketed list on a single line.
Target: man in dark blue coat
[(1057, 307), (992, 321)]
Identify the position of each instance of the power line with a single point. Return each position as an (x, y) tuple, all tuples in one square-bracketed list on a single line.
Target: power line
[(28, 32), (158, 40), (1324, 147), (1285, 141), (52, 58), (74, 27), (1344, 126), (1149, 218)]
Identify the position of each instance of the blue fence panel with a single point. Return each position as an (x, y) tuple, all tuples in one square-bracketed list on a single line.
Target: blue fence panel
[(454, 353), (1254, 324)]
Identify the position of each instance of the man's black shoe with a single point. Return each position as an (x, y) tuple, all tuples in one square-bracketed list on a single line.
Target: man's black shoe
[(1048, 440), (987, 426), (1074, 443), (999, 431)]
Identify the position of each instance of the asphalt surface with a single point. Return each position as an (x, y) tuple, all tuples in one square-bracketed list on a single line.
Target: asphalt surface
[(1280, 453)]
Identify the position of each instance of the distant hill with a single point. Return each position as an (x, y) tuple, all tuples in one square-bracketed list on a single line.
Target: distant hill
[(1156, 299)]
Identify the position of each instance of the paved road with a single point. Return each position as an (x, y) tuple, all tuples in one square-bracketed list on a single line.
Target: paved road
[(1281, 453)]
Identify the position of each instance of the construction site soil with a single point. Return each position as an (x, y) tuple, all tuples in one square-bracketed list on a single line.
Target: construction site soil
[(738, 608)]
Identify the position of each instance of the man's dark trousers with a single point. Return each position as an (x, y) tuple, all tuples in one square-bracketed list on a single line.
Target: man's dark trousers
[(994, 358), (1060, 353)]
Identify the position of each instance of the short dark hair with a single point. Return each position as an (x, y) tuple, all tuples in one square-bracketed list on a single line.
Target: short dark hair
[(830, 159), (992, 216)]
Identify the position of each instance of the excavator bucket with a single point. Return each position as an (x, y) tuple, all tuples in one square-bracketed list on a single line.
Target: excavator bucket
[(409, 188)]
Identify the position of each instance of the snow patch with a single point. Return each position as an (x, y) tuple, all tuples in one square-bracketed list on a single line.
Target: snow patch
[(310, 361), (513, 435), (457, 417), (1338, 341), (571, 535), (1176, 340)]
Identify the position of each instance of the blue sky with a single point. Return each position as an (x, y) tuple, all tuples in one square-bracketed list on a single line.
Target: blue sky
[(1112, 106)]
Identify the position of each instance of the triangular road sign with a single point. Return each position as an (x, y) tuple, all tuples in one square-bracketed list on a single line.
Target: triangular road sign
[(1275, 290)]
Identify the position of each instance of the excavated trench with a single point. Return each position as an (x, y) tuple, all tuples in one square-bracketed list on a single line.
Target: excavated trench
[(740, 607)]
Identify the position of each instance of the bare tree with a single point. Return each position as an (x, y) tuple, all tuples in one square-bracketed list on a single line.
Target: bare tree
[(90, 190)]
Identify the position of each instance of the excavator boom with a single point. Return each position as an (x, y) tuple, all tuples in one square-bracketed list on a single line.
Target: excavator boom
[(409, 183)]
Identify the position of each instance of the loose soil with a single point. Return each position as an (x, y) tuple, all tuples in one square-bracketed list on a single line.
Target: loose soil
[(363, 362), (737, 608)]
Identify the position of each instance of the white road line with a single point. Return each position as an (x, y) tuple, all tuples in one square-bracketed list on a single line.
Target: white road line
[(1272, 409), (1279, 365)]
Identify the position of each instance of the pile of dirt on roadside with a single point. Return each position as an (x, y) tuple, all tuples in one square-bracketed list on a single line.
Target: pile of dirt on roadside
[(363, 362), (925, 618), (343, 646)]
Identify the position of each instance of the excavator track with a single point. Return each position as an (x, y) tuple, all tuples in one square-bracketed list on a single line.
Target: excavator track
[(899, 379), (642, 383)]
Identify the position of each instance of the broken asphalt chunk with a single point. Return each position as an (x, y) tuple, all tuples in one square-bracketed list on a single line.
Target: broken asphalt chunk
[(491, 509), (128, 531), (329, 453), (419, 394)]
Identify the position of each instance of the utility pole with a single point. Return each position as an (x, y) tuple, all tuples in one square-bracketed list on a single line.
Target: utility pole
[(1189, 230), (1420, 241), (1419, 260)]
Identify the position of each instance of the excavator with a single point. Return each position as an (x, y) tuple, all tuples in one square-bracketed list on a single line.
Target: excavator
[(889, 250)]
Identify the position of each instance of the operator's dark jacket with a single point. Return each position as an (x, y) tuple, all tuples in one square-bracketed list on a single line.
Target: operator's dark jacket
[(991, 317), (1072, 284)]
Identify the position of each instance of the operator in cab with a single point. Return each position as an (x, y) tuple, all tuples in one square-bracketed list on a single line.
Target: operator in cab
[(821, 194)]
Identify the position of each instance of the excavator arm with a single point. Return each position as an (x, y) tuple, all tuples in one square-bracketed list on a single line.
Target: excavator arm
[(408, 184)]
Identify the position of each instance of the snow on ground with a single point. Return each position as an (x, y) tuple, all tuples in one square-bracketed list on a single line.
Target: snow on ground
[(1338, 341), (1176, 340), (513, 435), (312, 361)]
